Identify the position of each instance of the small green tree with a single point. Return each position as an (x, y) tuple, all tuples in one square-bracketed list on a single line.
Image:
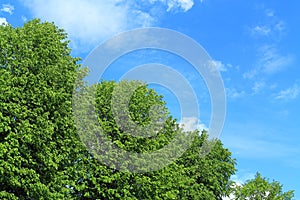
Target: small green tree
[(260, 188)]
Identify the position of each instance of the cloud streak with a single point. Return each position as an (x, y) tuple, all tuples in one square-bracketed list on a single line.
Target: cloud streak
[(289, 93), (261, 148), (234, 93), (261, 30), (258, 87), (268, 33), (270, 61)]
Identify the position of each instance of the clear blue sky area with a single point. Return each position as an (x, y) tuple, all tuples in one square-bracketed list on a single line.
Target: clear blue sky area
[(254, 44)]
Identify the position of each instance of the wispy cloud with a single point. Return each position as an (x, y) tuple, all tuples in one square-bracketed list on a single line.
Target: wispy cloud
[(272, 31), (261, 30), (258, 86), (175, 5), (268, 33), (221, 67), (269, 13), (185, 5), (234, 93), (289, 93), (90, 22), (270, 61), (270, 26), (24, 19), (3, 21), (7, 8), (260, 147), (280, 26)]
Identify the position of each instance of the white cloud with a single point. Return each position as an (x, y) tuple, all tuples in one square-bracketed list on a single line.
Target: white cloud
[(270, 61), (289, 94), (233, 93), (220, 66), (269, 13), (271, 27), (261, 86), (184, 5), (280, 26), (273, 31), (24, 19), (3, 21), (250, 74), (90, 22), (175, 5), (258, 86), (216, 67), (191, 124), (7, 8), (261, 30)]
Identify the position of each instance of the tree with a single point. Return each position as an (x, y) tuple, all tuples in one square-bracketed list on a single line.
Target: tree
[(42, 155), (189, 177), (37, 137), (260, 188)]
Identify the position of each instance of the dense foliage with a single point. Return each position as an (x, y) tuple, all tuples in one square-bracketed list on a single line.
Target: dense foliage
[(42, 156), (37, 139), (260, 188)]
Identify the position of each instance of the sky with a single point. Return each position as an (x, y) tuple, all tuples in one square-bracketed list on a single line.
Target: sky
[(254, 44)]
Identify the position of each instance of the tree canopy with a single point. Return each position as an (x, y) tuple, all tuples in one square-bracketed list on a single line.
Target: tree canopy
[(37, 138), (42, 155), (261, 188)]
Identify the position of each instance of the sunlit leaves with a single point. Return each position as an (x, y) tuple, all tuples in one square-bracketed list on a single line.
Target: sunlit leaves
[(36, 77), (42, 156), (260, 188)]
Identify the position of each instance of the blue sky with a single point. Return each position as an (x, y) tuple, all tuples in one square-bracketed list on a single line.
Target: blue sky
[(255, 45)]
